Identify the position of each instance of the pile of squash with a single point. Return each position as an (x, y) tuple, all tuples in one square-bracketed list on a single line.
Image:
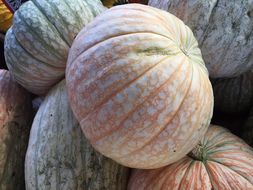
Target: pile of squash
[(137, 95)]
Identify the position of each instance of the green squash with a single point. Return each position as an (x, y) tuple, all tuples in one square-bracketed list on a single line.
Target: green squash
[(37, 45), (60, 157)]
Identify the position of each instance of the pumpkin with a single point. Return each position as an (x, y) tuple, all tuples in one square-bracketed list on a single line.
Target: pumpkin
[(223, 30), (36, 46), (221, 161), (59, 156), (233, 95), (135, 79), (5, 17), (15, 122)]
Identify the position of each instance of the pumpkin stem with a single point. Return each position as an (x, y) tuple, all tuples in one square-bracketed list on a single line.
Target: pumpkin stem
[(198, 153)]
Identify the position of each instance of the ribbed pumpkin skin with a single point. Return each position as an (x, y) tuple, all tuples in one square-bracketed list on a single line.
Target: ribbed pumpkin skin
[(233, 95), (138, 86), (5, 17), (59, 156), (221, 161), (37, 45), (15, 123), (223, 29)]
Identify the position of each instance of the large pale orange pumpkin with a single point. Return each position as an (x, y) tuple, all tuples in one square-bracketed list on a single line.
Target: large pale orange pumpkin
[(139, 87), (221, 161)]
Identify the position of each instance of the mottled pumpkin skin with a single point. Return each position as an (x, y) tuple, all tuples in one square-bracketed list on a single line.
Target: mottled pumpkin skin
[(223, 29), (221, 161), (233, 95), (59, 156), (15, 123), (138, 86), (37, 45)]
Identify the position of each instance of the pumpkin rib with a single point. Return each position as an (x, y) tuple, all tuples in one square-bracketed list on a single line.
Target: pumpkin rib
[(38, 139), (46, 17), (121, 88), (225, 55), (204, 34), (209, 170), (185, 174), (57, 168), (128, 15), (31, 55), (224, 164), (100, 73), (197, 98), (144, 100), (157, 134), (39, 38), (110, 38), (138, 9), (152, 139), (93, 10), (74, 12), (156, 15)]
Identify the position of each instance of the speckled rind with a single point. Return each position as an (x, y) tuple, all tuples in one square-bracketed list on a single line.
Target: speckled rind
[(40, 38), (233, 95), (221, 161), (59, 156), (223, 29), (139, 84), (15, 122)]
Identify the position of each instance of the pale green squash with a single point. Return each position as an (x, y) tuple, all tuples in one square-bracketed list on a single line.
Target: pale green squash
[(37, 45), (60, 158)]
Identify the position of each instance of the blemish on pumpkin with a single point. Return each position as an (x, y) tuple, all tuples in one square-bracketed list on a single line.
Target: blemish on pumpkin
[(154, 51), (250, 13)]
